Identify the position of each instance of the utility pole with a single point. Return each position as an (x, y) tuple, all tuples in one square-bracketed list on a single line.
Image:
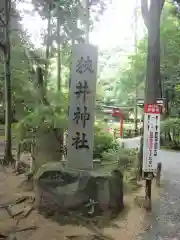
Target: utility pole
[(135, 75)]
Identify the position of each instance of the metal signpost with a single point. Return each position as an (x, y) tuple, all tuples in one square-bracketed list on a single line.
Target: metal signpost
[(81, 107)]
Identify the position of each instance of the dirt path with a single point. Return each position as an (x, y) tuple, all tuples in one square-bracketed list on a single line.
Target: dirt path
[(126, 228), (129, 227)]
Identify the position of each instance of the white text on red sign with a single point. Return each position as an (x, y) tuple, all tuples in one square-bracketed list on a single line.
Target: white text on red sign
[(152, 108)]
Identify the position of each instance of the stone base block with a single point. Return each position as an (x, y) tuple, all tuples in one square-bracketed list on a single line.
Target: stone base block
[(61, 189)]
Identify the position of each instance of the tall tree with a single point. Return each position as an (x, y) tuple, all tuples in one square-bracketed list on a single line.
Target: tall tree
[(5, 47), (48, 44), (66, 30), (151, 12)]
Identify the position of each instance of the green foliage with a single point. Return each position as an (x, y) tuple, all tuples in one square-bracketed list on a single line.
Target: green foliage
[(133, 71), (69, 12), (126, 158), (23, 94), (120, 85), (170, 129), (170, 123), (42, 118), (103, 141)]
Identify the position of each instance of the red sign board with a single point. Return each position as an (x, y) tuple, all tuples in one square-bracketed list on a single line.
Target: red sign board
[(152, 108)]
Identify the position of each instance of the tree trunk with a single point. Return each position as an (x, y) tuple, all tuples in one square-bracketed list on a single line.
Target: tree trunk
[(18, 156), (151, 15), (153, 83), (59, 80), (47, 48), (140, 159), (58, 56), (8, 90), (40, 84), (136, 86)]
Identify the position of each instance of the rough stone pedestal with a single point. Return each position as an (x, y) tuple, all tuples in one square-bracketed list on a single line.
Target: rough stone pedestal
[(60, 189)]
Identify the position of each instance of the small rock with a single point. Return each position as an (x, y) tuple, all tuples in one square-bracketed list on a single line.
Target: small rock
[(27, 210), (115, 225), (4, 214), (12, 237), (81, 237), (7, 225), (16, 210)]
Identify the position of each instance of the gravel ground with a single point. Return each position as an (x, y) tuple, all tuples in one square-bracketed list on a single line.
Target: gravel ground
[(166, 212)]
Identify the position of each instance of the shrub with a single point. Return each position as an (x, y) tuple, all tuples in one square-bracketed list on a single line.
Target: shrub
[(126, 158), (170, 129), (41, 119), (103, 141), (43, 124)]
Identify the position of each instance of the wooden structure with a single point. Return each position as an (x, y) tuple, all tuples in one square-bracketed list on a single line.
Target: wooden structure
[(116, 112), (107, 110)]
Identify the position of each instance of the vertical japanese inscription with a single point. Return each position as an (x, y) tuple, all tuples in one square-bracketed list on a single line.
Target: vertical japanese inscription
[(82, 89), (80, 141), (84, 65), (81, 109), (151, 140), (81, 116), (150, 149), (156, 137)]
